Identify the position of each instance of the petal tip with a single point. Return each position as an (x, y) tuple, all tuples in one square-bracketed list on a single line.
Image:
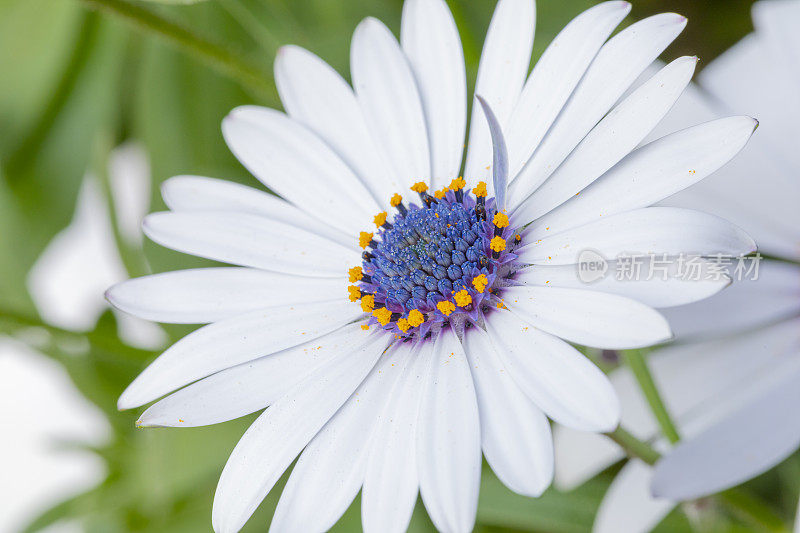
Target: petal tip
[(124, 403), (108, 295)]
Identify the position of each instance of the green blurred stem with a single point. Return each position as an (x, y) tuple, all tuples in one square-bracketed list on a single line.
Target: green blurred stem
[(20, 320), (633, 446), (638, 365), (215, 55), (250, 23)]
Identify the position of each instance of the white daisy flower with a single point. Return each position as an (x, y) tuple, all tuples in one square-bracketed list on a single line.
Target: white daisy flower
[(733, 393), (448, 343)]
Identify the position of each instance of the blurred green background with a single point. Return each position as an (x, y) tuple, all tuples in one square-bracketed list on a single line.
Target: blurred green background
[(82, 76)]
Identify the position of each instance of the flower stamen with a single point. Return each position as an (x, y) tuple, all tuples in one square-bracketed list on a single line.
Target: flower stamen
[(435, 261)]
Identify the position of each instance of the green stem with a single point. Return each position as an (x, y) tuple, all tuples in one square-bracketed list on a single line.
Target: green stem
[(633, 446), (641, 372), (245, 18), (221, 58)]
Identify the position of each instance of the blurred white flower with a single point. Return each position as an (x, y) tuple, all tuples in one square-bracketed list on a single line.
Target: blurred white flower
[(68, 281), (456, 347), (733, 393), (43, 418), (67, 284)]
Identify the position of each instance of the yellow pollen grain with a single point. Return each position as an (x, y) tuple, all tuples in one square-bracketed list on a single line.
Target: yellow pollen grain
[(415, 318), (355, 274), (457, 184), (383, 315), (517, 238), (380, 219), (480, 190), (500, 220), (501, 305), (403, 324), (355, 293), (365, 326), (480, 282), (364, 239), (498, 244), (395, 200), (446, 307), (419, 187), (462, 298), (440, 193), (367, 303)]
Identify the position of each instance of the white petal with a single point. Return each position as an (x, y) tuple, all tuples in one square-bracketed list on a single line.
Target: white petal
[(555, 76), (768, 89), (701, 383), (628, 506), (588, 317), (614, 137), (693, 107), (273, 441), (449, 438), (654, 291), (581, 455), (331, 469), (204, 295), (705, 382), (249, 387), (652, 230), (775, 21), (250, 240), (750, 442), (499, 155), (391, 482), (773, 296), (515, 434), (292, 161), (568, 387), (797, 520), (390, 101), (652, 173), (502, 71), (766, 208), (68, 279), (129, 174), (234, 341), (316, 95), (197, 193), (615, 68), (430, 41)]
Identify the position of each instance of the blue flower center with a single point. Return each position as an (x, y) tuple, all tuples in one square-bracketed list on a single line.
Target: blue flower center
[(441, 260)]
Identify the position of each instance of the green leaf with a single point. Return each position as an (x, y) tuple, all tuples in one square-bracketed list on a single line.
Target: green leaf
[(44, 155), (554, 511)]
